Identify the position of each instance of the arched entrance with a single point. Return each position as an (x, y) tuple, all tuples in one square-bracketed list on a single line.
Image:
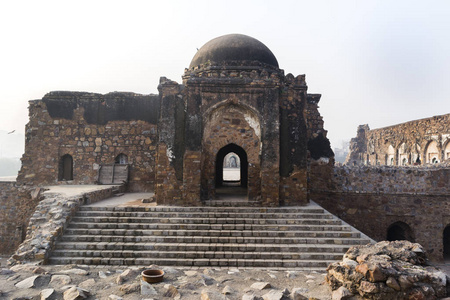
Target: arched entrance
[(399, 231), (231, 148)]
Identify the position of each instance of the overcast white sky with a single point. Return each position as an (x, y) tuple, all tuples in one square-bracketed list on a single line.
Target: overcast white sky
[(375, 62)]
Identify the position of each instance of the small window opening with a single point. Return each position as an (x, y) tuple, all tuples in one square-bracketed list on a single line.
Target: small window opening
[(121, 159)]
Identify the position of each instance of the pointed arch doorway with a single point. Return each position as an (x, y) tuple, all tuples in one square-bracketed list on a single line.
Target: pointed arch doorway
[(231, 172)]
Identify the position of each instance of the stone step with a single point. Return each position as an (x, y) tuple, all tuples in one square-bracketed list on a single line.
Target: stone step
[(330, 245), (206, 239), (209, 221), (82, 234), (200, 254), (280, 237), (210, 215), (318, 265), (230, 203), (205, 228), (203, 209)]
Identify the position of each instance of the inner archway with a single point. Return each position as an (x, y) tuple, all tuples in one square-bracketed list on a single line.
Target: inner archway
[(229, 185), (231, 148), (231, 170)]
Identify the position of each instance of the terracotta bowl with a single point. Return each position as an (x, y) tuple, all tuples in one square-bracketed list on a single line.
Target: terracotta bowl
[(152, 275)]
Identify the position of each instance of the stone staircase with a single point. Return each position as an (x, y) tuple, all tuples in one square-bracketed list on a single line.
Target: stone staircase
[(285, 237)]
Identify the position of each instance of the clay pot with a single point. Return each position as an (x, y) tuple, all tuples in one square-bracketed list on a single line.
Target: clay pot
[(152, 275)]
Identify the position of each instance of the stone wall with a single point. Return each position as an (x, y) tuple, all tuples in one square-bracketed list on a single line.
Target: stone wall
[(372, 199), (93, 129), (49, 219), (421, 141), (16, 207)]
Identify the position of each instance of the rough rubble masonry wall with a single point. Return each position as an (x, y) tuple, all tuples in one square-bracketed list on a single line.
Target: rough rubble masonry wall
[(373, 198), (16, 208), (402, 144), (93, 129)]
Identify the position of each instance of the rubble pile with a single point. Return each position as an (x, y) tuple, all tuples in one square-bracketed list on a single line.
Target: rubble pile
[(386, 270)]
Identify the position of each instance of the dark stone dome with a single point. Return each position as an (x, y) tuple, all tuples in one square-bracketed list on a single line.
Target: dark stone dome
[(234, 47)]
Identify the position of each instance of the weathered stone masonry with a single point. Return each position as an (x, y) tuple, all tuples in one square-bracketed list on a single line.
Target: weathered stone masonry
[(374, 199), (93, 129), (16, 207), (234, 98), (416, 142)]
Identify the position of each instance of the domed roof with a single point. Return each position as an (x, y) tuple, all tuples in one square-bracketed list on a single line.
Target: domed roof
[(234, 47)]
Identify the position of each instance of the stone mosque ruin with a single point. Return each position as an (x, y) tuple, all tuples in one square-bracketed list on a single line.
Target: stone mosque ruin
[(235, 110)]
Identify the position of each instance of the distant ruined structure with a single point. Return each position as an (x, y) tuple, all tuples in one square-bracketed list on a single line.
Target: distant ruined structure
[(425, 141), (235, 108)]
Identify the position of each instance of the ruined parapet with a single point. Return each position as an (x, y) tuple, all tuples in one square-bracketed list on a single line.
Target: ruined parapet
[(70, 135), (418, 142), (385, 271), (358, 146)]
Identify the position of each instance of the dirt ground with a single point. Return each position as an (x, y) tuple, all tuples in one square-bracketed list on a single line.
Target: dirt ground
[(190, 283)]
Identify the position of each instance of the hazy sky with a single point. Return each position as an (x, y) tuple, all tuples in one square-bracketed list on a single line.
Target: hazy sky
[(375, 62)]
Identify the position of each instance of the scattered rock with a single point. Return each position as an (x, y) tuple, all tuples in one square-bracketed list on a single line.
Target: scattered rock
[(209, 272), (172, 272), (39, 270), (48, 294), (127, 275), (6, 272), (212, 295), (58, 280), (27, 283), (75, 272), (273, 295), (341, 293), (206, 280), (250, 297), (87, 284), (14, 277), (227, 290), (291, 274), (190, 273), (147, 289), (260, 285), (130, 288), (114, 297), (102, 274), (75, 293), (171, 292)]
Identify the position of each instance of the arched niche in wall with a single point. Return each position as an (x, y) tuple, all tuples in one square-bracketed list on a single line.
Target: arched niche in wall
[(447, 150), (390, 156), (65, 171), (432, 155), (399, 231), (403, 155)]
